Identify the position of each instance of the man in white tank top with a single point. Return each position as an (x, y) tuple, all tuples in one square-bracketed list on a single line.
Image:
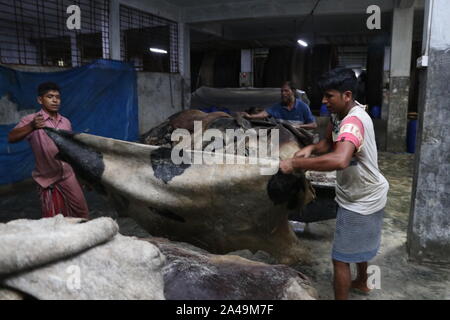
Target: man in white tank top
[(361, 189)]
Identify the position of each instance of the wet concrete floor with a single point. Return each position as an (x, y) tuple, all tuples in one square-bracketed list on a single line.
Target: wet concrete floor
[(400, 278)]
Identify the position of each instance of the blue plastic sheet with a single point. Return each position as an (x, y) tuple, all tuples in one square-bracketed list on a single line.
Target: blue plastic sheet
[(99, 98), (215, 109)]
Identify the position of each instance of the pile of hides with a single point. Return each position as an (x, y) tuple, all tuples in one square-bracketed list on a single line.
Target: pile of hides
[(68, 258), (194, 274)]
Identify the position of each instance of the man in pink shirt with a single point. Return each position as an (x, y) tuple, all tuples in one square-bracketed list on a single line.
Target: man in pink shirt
[(59, 190)]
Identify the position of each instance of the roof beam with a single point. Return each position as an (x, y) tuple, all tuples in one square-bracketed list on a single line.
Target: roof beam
[(279, 8), (215, 29), (404, 4), (156, 7)]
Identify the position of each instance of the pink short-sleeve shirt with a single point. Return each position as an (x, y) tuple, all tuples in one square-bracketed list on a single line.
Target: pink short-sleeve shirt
[(48, 170)]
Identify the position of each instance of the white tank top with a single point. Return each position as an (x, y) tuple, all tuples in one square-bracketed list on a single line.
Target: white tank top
[(361, 187)]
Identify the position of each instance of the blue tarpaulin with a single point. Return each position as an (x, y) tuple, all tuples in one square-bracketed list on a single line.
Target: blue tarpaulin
[(99, 98)]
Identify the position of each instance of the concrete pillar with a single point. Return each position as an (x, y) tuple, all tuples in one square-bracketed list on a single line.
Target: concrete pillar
[(429, 224), (114, 29), (385, 86), (184, 58), (402, 33)]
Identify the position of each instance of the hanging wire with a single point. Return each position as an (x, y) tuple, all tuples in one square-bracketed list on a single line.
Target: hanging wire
[(306, 18)]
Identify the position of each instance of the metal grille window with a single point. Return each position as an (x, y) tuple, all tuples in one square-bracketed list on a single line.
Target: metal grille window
[(148, 41), (352, 56), (35, 32)]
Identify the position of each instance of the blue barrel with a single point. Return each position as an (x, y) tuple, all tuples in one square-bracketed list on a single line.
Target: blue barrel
[(375, 112), (411, 136), (324, 111)]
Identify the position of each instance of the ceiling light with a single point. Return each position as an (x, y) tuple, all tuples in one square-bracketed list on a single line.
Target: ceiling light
[(156, 50), (302, 43)]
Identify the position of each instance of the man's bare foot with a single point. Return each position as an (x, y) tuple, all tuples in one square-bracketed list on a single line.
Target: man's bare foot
[(360, 286)]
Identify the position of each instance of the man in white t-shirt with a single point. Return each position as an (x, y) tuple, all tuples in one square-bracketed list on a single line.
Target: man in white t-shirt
[(361, 190)]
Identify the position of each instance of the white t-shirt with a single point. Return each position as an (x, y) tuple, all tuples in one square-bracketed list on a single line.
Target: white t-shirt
[(360, 187)]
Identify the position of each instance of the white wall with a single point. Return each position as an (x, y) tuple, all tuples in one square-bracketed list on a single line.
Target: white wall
[(160, 95)]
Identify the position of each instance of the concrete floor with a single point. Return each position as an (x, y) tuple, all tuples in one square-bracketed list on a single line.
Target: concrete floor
[(400, 279)]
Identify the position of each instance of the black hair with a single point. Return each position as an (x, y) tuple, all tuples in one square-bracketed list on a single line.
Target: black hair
[(340, 79), (291, 85), (45, 87)]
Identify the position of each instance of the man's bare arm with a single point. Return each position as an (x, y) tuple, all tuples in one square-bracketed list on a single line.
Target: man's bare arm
[(339, 159), (312, 125), (325, 144), (18, 134), (261, 115), (322, 147)]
